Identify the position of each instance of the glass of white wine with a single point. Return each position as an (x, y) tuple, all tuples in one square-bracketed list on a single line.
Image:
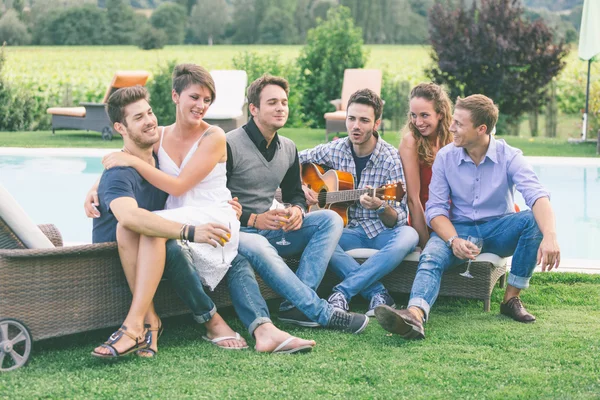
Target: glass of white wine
[(286, 207), (479, 243), (223, 245)]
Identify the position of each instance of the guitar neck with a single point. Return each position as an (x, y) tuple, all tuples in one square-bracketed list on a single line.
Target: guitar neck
[(345, 195)]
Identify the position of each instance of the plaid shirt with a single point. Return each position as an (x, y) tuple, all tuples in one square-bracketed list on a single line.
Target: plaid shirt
[(383, 166)]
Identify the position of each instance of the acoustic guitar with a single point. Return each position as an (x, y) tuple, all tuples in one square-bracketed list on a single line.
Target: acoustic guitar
[(335, 189)]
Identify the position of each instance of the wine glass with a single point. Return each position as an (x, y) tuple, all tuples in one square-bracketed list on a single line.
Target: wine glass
[(223, 244), (286, 207), (479, 243)]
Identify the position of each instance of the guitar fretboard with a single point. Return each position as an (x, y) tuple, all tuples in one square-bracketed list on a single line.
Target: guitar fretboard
[(343, 196)]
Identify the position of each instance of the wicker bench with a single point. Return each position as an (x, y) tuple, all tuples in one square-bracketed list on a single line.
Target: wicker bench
[(65, 290)]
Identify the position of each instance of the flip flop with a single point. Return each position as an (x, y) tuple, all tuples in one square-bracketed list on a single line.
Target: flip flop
[(307, 348), (218, 340), (141, 342)]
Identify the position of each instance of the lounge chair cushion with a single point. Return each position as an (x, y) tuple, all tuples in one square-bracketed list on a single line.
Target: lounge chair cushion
[(223, 113), (19, 222), (230, 86), (497, 261), (67, 111), (336, 115)]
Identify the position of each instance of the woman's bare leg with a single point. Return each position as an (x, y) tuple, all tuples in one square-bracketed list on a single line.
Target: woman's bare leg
[(144, 280)]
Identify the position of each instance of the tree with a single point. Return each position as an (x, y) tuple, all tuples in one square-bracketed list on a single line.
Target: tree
[(187, 4), (85, 25), (171, 18), (277, 27), (150, 38), (12, 30), (120, 22), (208, 21), (331, 47), (244, 22), (493, 50)]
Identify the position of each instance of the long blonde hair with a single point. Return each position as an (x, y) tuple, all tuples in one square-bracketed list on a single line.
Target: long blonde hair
[(442, 105)]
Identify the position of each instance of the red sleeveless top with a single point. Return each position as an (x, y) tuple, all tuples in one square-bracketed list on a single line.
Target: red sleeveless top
[(425, 173)]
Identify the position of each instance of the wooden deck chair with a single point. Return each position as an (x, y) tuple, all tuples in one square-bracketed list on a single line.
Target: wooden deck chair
[(93, 116), (229, 110), (354, 79)]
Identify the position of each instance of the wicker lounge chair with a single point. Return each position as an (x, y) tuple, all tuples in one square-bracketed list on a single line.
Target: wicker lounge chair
[(93, 116), (354, 79), (47, 290), (229, 110)]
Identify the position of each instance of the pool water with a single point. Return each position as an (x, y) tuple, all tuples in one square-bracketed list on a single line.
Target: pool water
[(52, 189)]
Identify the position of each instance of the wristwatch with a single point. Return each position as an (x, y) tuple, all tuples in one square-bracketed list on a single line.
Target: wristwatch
[(449, 241), (381, 208)]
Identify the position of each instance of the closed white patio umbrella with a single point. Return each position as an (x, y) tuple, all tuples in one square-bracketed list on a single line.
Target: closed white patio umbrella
[(589, 46)]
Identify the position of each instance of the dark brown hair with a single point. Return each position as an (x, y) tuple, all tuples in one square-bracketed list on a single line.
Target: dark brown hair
[(369, 98), (443, 106), (123, 97), (256, 87), (483, 110), (185, 75)]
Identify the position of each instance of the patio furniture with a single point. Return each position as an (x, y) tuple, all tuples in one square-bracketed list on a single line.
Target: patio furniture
[(93, 116), (229, 110), (487, 269), (48, 290), (354, 79)]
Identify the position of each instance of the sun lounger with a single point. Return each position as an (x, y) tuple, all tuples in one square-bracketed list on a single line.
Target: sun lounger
[(229, 110), (354, 79), (93, 116)]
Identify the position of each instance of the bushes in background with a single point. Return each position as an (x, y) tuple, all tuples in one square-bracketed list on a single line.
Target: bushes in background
[(17, 106), (333, 46)]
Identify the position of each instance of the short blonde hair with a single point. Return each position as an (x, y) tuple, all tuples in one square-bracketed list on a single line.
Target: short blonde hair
[(483, 110)]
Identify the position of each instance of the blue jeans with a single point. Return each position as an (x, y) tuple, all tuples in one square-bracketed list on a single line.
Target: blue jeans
[(393, 245), (515, 234), (244, 291), (315, 242), (180, 271)]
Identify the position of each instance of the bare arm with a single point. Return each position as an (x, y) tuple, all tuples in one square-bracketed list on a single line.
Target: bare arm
[(211, 151), (412, 175), (91, 201), (549, 251)]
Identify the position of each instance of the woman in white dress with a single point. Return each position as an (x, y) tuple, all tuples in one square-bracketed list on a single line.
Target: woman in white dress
[(192, 159)]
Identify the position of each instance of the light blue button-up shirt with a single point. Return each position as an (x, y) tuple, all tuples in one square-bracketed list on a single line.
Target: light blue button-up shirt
[(484, 192)]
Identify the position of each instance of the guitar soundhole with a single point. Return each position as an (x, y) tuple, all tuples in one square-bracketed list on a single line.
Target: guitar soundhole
[(322, 198)]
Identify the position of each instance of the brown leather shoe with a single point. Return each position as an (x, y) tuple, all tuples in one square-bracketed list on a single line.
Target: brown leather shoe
[(515, 309), (402, 322)]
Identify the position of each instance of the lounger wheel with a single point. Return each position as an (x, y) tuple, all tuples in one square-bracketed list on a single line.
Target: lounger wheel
[(15, 344), (107, 133)]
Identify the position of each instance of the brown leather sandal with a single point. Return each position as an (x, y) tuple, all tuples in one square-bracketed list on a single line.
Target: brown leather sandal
[(141, 342)]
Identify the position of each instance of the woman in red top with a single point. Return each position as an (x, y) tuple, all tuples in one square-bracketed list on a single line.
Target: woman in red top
[(426, 131)]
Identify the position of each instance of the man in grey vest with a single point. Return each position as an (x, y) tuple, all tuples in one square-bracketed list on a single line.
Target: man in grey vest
[(258, 162)]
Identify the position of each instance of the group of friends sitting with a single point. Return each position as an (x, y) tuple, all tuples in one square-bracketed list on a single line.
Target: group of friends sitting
[(197, 205)]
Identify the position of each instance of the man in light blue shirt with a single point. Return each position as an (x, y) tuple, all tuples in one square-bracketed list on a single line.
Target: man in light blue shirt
[(478, 174)]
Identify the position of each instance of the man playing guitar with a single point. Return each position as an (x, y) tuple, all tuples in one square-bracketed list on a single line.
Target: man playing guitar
[(372, 222)]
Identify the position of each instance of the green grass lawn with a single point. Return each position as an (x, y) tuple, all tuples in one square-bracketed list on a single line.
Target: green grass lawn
[(304, 138), (467, 354)]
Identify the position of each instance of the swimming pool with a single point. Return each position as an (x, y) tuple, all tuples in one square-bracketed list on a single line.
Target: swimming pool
[(51, 185)]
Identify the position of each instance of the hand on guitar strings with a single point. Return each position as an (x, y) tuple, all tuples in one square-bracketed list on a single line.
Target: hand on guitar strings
[(311, 196), (370, 203)]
